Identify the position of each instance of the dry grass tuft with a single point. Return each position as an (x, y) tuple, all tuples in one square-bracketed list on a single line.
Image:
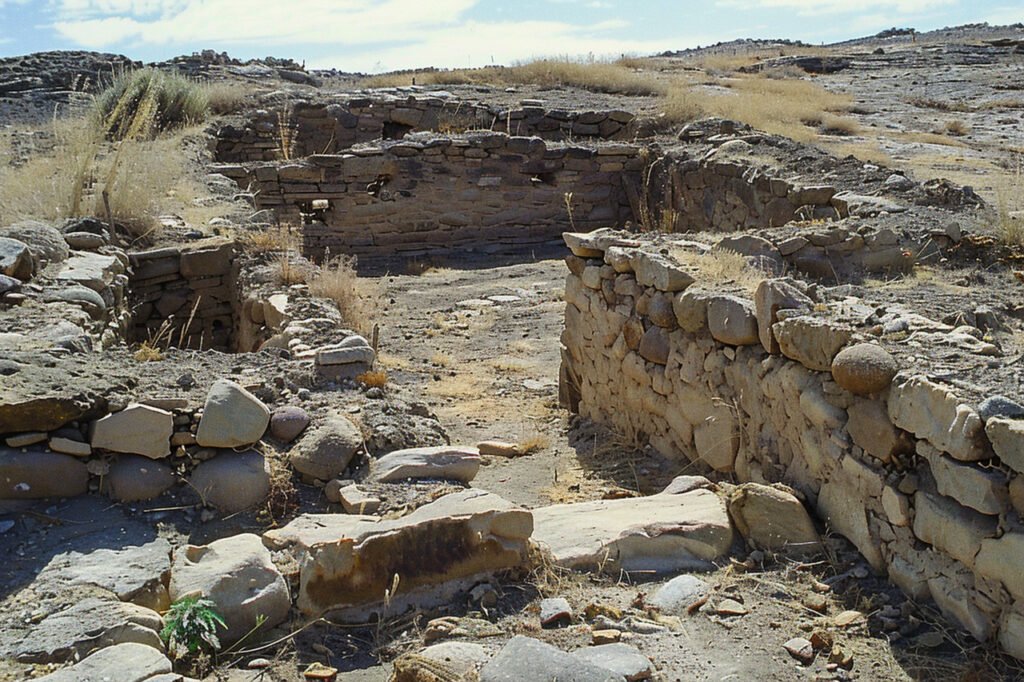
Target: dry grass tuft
[(1009, 191), (140, 104), (593, 75), (373, 379), (534, 443), (720, 267), (226, 98), (146, 352), (358, 299), (957, 128)]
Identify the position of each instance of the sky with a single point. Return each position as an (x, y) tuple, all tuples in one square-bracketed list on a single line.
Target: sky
[(382, 35)]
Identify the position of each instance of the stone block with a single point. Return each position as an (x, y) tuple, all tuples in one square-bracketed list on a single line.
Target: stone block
[(932, 412)]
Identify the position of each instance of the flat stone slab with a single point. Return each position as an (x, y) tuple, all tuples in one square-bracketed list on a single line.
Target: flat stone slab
[(347, 562), (128, 662), (524, 658), (661, 533), (443, 461), (620, 658), (86, 626), (136, 574)]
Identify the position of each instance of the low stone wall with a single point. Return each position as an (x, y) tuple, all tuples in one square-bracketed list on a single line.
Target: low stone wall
[(778, 387), (186, 297), (306, 128), (707, 194), (428, 194)]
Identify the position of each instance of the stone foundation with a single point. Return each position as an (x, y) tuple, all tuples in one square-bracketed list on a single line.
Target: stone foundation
[(328, 128), (924, 482)]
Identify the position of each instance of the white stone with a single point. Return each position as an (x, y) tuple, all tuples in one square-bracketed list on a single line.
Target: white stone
[(137, 429)]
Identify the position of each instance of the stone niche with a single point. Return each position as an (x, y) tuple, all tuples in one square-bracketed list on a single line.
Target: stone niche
[(185, 296)]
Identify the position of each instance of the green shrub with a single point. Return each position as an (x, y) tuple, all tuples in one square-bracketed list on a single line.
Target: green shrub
[(140, 104), (190, 627)]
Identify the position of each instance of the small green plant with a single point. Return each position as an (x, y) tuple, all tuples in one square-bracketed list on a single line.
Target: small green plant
[(191, 627)]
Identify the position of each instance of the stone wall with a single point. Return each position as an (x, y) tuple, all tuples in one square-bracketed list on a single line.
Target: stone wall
[(428, 194), (190, 288), (327, 128), (776, 386)]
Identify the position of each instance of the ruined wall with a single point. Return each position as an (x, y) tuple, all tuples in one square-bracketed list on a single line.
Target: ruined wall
[(429, 194), (307, 128), (927, 486), (192, 289)]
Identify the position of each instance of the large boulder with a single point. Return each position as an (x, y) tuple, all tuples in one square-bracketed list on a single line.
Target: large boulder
[(15, 259), (326, 449), (773, 519), (232, 481), (238, 575), (128, 662), (348, 563), (35, 475), (137, 429), (88, 625), (232, 417), (450, 462), (661, 533), (45, 242), (133, 478)]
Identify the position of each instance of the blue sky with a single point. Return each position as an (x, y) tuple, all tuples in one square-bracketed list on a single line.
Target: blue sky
[(375, 35)]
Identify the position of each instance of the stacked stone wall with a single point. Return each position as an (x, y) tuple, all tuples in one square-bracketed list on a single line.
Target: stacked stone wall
[(309, 128), (925, 483), (185, 297), (430, 194)]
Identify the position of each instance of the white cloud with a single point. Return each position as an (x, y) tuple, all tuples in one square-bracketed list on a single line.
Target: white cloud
[(1002, 16), (814, 7), (476, 44), (101, 23)]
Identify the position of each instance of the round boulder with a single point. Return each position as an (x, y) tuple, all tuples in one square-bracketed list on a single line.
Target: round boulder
[(286, 423), (134, 478), (864, 368), (233, 481), (327, 449)]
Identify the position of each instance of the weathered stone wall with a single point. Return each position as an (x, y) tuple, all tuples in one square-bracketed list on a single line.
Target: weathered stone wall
[(429, 194), (706, 194), (307, 128), (926, 485), (192, 289)]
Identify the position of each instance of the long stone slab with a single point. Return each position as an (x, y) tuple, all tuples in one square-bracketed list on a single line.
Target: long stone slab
[(663, 532), (347, 563)]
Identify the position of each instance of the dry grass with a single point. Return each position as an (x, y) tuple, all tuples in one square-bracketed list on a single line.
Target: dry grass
[(373, 379), (793, 108), (140, 104), (141, 178), (226, 98), (866, 150), (720, 267), (534, 443), (441, 359), (957, 128), (925, 138), (595, 76), (1009, 191), (940, 105), (358, 299)]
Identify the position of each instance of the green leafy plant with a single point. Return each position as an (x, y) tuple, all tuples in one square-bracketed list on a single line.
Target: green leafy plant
[(190, 626)]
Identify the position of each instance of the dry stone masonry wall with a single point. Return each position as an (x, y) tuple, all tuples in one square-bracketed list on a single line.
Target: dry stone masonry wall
[(428, 194), (777, 386), (306, 128), (186, 296)]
